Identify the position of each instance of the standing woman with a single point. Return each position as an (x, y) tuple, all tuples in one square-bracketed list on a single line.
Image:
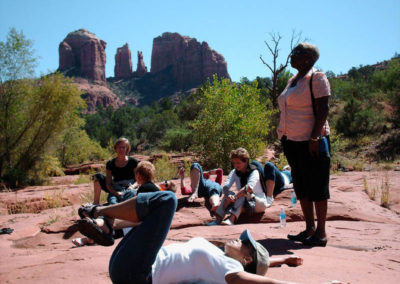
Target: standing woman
[(302, 125)]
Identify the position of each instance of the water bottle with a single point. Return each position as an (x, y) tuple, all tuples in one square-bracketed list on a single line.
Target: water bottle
[(282, 217), (293, 199)]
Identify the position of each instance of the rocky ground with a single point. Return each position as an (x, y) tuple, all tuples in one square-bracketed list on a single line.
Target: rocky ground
[(363, 246)]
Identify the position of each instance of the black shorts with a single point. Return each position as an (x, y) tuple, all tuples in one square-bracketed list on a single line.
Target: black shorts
[(101, 178), (310, 174)]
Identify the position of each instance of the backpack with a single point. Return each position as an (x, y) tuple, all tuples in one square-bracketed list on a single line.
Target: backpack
[(255, 165)]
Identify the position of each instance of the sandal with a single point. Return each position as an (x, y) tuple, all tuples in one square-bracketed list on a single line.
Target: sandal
[(299, 237), (89, 228), (315, 241), (87, 211), (6, 231)]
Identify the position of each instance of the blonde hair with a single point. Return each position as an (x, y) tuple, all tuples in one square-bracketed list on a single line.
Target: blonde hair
[(125, 141), (146, 170), (240, 153), (310, 49)]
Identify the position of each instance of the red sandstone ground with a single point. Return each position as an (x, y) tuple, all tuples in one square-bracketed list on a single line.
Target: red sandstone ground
[(363, 247)]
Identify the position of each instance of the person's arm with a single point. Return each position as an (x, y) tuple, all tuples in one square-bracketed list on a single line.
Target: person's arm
[(251, 183), (321, 91), (228, 183), (249, 278), (321, 114), (109, 185)]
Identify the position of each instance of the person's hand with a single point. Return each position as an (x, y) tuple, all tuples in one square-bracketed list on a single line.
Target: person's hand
[(313, 147), (192, 197), (231, 198), (241, 193)]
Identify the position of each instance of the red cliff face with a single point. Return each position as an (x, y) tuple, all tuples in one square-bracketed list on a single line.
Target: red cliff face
[(192, 62), (123, 62), (83, 54)]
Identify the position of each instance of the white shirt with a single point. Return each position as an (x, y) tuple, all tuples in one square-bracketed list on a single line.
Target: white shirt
[(197, 259), (253, 182)]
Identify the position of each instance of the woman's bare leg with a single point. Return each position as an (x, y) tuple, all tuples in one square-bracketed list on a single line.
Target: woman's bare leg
[(194, 183), (125, 210), (321, 208), (308, 213), (214, 201)]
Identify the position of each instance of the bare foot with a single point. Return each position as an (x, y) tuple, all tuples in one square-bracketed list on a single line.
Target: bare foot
[(182, 173), (192, 197)]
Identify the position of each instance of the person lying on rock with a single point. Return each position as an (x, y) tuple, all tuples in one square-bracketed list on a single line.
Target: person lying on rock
[(249, 195), (140, 257), (145, 174), (276, 181), (202, 186)]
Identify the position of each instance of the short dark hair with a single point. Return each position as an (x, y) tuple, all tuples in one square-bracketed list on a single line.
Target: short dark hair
[(240, 153), (252, 266)]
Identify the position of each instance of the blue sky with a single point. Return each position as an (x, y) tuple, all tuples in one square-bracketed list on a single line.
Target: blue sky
[(348, 32)]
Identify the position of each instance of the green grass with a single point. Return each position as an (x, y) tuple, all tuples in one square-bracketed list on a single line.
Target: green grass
[(164, 169), (83, 179)]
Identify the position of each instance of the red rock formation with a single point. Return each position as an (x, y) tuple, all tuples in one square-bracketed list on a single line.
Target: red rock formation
[(192, 62), (123, 62), (141, 67), (96, 95), (83, 54)]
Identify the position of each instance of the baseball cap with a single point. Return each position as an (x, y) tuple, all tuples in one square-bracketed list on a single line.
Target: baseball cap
[(262, 255)]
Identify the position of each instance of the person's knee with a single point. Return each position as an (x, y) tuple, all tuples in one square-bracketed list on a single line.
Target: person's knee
[(268, 166), (169, 199), (195, 166)]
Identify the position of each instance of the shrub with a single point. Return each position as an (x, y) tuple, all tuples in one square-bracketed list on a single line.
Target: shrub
[(177, 139), (164, 169), (232, 117)]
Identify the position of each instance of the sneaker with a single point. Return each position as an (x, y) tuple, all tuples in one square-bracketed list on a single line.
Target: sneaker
[(212, 223), (269, 202), (227, 222)]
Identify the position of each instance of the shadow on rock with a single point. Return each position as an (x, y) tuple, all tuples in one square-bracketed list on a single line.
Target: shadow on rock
[(281, 246)]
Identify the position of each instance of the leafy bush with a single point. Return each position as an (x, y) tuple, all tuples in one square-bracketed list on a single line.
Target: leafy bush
[(76, 147), (232, 117), (177, 139), (164, 169), (358, 119)]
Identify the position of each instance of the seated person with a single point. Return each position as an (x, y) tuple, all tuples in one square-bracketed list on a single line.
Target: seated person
[(276, 181), (119, 175), (248, 186), (203, 187), (140, 257), (145, 174)]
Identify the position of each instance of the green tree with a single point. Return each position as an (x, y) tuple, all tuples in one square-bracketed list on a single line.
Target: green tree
[(33, 113), (232, 116), (76, 147)]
